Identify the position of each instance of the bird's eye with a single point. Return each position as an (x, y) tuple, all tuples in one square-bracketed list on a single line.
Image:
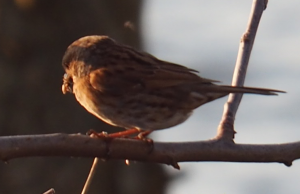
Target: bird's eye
[(66, 65)]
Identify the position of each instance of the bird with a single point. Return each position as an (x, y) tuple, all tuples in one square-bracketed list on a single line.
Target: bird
[(135, 90)]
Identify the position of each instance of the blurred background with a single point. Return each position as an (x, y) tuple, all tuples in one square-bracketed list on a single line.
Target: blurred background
[(203, 35)]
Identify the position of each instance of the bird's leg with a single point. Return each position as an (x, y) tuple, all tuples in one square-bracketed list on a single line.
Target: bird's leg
[(143, 135), (124, 134), (121, 134)]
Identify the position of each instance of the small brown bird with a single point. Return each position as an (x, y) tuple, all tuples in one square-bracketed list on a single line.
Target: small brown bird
[(134, 90)]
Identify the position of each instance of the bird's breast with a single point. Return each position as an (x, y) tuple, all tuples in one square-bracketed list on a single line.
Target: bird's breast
[(143, 110)]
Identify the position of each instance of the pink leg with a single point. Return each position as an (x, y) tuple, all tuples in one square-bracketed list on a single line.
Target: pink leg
[(123, 133), (114, 135)]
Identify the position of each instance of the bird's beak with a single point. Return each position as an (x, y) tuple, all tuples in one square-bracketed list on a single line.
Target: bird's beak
[(67, 85)]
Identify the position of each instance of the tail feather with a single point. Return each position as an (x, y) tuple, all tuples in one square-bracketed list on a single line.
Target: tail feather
[(207, 93), (236, 89)]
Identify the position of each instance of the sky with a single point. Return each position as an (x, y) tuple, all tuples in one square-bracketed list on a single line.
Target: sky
[(205, 35)]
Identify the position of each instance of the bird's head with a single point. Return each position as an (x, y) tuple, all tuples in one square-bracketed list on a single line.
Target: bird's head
[(82, 56)]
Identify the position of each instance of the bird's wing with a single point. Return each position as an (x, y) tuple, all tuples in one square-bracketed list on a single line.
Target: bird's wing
[(168, 75), (155, 74), (109, 81)]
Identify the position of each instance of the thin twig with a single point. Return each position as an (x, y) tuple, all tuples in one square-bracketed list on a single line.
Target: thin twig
[(226, 129), (90, 176), (50, 191)]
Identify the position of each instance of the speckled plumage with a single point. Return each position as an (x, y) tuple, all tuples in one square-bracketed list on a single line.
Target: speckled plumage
[(132, 89)]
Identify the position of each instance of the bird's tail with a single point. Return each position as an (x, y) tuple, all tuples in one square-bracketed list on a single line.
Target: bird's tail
[(236, 89)]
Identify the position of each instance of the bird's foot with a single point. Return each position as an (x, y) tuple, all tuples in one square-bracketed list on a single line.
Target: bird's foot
[(121, 134), (143, 136), (93, 133)]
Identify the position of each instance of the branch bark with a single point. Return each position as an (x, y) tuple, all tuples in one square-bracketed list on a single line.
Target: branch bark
[(77, 145), (226, 129), (222, 148)]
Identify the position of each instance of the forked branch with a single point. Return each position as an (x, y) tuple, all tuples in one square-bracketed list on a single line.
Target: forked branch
[(221, 148), (136, 150)]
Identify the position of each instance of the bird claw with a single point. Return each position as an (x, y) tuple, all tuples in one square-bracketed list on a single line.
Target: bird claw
[(93, 133), (143, 136), (124, 134)]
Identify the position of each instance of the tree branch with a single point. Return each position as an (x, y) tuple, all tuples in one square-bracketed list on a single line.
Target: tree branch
[(222, 148), (77, 145), (225, 129)]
